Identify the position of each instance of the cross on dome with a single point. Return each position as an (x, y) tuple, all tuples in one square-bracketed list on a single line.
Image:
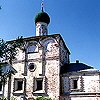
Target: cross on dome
[(42, 20), (42, 5), (42, 16)]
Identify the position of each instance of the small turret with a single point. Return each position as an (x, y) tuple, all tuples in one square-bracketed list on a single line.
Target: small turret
[(42, 20)]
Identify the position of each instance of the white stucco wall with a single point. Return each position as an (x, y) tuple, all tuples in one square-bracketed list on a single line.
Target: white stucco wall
[(46, 60), (85, 98), (91, 83), (52, 74)]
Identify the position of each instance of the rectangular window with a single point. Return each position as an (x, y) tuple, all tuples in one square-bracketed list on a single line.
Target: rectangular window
[(19, 85), (39, 84), (0, 86), (75, 84)]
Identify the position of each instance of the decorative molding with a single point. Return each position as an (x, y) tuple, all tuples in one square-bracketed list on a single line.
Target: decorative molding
[(82, 84), (15, 92), (37, 59)]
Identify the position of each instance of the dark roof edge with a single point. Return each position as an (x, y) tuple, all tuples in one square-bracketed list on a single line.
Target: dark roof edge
[(38, 37), (83, 64), (35, 37)]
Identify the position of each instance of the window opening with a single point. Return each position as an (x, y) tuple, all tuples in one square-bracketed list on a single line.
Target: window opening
[(39, 84), (19, 85), (32, 47), (0, 86), (75, 84)]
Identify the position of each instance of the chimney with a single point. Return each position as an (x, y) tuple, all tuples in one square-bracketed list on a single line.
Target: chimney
[(77, 61)]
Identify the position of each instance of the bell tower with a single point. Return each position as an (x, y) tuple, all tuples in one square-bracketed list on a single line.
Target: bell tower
[(42, 20)]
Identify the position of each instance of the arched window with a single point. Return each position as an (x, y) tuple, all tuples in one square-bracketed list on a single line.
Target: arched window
[(32, 48), (48, 44)]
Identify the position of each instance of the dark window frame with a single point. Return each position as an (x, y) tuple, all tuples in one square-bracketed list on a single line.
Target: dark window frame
[(39, 84), (17, 89)]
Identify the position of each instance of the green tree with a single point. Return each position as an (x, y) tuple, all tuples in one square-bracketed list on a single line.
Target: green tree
[(9, 49), (8, 52)]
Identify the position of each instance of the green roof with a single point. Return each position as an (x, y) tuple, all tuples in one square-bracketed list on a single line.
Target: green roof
[(42, 17)]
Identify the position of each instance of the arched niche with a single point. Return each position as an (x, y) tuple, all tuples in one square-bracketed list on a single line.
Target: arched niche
[(48, 43), (32, 47)]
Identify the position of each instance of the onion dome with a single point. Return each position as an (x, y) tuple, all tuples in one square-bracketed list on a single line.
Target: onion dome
[(42, 17)]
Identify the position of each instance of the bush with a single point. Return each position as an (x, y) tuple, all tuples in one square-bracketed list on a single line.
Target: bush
[(4, 98), (43, 98)]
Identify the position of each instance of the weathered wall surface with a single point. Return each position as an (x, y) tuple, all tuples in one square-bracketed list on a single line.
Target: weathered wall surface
[(52, 74), (85, 98), (47, 67), (91, 83), (64, 54), (80, 98), (88, 86)]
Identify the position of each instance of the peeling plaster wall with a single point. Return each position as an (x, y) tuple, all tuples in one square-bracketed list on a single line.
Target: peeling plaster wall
[(64, 55), (88, 86), (52, 74), (65, 84), (6, 89), (47, 61), (52, 69), (91, 83)]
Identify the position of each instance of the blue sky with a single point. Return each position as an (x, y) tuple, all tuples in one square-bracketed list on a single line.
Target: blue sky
[(78, 21)]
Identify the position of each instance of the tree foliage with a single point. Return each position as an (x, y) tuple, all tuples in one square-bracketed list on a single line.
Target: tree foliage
[(43, 98), (9, 49), (8, 52), (5, 98)]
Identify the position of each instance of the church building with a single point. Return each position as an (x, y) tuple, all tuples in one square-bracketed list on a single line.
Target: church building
[(44, 69)]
